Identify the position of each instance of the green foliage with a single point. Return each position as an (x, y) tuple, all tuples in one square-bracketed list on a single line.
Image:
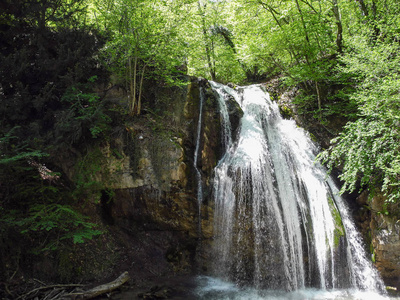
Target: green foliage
[(234, 40), (33, 83), (368, 148), (11, 152), (36, 211), (91, 176), (46, 52), (213, 48), (336, 106), (33, 206), (46, 225), (86, 111), (145, 43), (324, 94)]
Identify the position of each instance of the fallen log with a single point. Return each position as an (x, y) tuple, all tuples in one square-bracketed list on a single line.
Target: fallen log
[(99, 290)]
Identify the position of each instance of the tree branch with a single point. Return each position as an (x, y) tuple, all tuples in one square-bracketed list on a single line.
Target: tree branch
[(101, 289)]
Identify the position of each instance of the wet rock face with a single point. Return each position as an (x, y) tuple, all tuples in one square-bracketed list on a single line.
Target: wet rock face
[(210, 139), (385, 233), (153, 181), (155, 155)]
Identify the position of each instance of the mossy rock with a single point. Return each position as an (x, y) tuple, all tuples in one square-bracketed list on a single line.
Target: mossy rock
[(339, 231), (286, 111)]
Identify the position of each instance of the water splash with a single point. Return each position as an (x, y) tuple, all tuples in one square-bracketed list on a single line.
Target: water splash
[(210, 288), (278, 223)]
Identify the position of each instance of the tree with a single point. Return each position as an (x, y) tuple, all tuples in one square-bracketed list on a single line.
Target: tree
[(47, 50), (40, 64), (145, 42), (208, 42), (368, 149)]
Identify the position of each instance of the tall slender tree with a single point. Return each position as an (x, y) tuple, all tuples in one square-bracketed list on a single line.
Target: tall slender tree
[(145, 42)]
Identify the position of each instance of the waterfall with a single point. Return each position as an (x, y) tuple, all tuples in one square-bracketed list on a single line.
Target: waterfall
[(223, 91), (278, 223), (195, 159)]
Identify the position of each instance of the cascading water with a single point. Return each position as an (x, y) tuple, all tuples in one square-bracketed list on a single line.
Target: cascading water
[(279, 224), (195, 159)]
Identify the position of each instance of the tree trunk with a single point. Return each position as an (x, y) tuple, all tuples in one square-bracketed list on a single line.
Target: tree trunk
[(363, 7), (303, 23), (139, 105), (135, 81), (207, 46), (305, 32), (319, 99), (132, 88), (339, 34)]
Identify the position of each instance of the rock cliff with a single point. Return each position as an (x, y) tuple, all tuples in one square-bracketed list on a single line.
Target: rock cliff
[(385, 239), (149, 190), (148, 195)]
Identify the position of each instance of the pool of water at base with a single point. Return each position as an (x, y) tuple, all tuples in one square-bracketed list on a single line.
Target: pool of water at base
[(210, 288)]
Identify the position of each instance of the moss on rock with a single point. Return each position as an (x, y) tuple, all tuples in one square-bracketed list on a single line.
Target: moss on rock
[(339, 231)]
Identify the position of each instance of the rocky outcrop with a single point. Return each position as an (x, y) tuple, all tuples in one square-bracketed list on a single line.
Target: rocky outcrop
[(385, 238), (153, 178), (148, 184)]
